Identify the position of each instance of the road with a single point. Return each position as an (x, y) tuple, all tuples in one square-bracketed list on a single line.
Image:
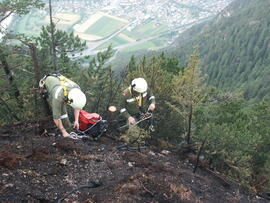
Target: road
[(100, 42)]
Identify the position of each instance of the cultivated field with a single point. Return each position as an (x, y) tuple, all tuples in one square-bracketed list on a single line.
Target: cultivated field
[(149, 29), (98, 26), (31, 24)]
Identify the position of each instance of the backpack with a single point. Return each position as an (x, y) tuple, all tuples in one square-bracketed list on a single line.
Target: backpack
[(92, 124)]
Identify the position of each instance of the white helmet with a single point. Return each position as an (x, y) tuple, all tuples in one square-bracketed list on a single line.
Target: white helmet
[(77, 98), (139, 85)]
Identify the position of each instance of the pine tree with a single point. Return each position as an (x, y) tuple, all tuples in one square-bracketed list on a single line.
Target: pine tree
[(12, 87), (22, 7), (187, 92), (99, 82), (66, 45)]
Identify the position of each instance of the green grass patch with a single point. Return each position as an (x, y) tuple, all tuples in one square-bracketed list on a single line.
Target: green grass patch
[(114, 42), (31, 24), (105, 26), (149, 29), (153, 44)]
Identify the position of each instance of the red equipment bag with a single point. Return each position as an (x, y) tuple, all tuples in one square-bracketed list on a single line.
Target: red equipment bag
[(87, 119)]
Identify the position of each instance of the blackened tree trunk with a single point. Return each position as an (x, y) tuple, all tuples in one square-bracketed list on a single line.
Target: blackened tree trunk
[(14, 88), (52, 38), (189, 124), (38, 76)]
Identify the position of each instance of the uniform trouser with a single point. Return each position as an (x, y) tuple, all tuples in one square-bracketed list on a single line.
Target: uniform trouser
[(64, 117)]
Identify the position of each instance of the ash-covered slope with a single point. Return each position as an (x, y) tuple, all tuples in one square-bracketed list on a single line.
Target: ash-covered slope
[(37, 168)]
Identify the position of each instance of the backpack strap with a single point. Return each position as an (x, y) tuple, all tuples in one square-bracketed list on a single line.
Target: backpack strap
[(137, 99), (63, 85), (63, 80)]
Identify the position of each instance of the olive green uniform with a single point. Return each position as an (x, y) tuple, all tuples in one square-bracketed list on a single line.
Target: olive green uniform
[(131, 103), (57, 99), (132, 106)]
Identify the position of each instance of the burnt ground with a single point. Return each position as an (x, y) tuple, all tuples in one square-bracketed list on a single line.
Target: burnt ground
[(39, 168)]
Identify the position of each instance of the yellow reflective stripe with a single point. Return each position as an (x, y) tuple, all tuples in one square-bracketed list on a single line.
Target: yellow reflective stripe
[(140, 99), (129, 89), (62, 82)]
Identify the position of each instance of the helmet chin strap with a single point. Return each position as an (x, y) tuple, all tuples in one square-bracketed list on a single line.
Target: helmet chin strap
[(138, 100), (132, 88)]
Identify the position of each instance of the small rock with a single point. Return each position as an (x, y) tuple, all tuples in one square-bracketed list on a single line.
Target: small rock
[(165, 152), (7, 185), (161, 155), (5, 174), (152, 153), (167, 163), (130, 164), (63, 162)]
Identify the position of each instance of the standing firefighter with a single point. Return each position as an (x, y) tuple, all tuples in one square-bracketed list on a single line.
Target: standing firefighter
[(136, 102), (59, 92)]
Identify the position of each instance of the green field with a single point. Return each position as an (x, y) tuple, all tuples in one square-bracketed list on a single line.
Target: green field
[(140, 32), (153, 44), (114, 42), (105, 26), (31, 24), (149, 29)]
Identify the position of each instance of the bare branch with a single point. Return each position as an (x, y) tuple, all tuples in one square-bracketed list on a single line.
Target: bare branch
[(6, 16), (26, 71)]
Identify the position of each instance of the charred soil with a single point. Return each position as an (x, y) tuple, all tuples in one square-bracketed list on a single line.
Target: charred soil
[(39, 168)]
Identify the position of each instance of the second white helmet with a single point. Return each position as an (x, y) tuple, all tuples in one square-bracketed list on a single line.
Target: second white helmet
[(139, 85), (77, 98)]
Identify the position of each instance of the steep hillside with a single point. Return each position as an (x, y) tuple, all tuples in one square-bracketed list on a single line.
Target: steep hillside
[(234, 48), (39, 168)]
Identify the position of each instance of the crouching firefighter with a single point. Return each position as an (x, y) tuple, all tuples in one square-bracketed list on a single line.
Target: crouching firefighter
[(137, 103), (60, 91)]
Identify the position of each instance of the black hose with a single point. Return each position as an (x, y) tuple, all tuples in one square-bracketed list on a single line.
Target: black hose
[(91, 184)]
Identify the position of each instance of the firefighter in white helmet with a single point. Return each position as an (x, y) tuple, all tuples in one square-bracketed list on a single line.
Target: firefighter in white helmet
[(137, 100), (59, 92)]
